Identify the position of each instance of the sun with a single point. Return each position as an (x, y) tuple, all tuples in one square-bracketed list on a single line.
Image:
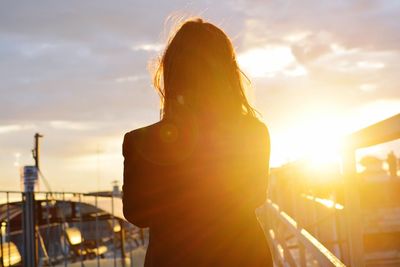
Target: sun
[(321, 146), (315, 140)]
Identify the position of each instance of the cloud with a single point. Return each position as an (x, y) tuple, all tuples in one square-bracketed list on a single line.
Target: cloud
[(366, 24), (69, 125), (148, 47), (4, 129), (311, 46), (269, 61), (128, 79)]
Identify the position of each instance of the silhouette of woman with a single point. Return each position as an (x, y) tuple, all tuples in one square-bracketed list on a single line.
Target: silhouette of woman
[(196, 177)]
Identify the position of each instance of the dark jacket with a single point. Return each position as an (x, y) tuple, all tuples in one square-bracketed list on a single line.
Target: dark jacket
[(196, 187)]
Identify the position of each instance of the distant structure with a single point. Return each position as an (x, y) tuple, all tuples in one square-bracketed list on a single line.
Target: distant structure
[(392, 162), (373, 169), (116, 192)]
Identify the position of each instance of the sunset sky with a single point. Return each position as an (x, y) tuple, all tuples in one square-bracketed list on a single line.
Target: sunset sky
[(76, 71)]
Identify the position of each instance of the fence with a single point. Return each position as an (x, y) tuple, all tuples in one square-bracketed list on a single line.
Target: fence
[(70, 229), (307, 230)]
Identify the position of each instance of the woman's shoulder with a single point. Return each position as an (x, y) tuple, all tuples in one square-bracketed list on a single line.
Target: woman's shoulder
[(140, 136), (256, 125), (142, 130), (255, 133)]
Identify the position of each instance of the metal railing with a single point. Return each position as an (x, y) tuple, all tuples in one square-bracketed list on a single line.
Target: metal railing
[(305, 229), (295, 227), (381, 132), (69, 229)]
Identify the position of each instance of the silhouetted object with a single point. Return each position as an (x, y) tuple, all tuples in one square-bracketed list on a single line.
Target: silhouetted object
[(196, 177), (373, 169), (36, 150), (392, 162)]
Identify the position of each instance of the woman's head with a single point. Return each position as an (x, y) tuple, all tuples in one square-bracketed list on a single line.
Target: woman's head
[(198, 71)]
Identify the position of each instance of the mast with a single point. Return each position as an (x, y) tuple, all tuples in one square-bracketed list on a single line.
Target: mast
[(36, 150)]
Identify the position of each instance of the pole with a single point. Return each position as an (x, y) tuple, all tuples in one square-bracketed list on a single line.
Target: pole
[(36, 150), (29, 229), (30, 175), (353, 210), (122, 237), (36, 158)]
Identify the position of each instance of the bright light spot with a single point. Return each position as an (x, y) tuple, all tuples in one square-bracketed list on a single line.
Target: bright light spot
[(288, 218), (74, 235), (326, 202), (17, 157), (281, 251), (148, 47), (269, 61), (117, 227), (370, 65), (11, 254), (271, 233), (317, 140), (329, 255)]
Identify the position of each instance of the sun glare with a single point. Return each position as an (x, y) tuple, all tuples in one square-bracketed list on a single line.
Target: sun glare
[(320, 147), (311, 139)]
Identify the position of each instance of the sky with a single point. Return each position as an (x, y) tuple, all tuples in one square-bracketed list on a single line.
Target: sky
[(77, 72)]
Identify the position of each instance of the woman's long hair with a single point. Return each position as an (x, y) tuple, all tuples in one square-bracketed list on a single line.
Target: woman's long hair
[(198, 73)]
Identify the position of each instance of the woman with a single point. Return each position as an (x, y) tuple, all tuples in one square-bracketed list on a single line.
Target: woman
[(196, 177)]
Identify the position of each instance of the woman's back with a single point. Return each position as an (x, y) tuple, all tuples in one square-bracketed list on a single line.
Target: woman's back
[(196, 186), (196, 177)]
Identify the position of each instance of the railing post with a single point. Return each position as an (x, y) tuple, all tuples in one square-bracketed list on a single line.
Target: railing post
[(122, 237), (354, 222), (8, 225), (113, 230), (1, 246), (97, 231), (30, 249), (29, 230), (300, 211)]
